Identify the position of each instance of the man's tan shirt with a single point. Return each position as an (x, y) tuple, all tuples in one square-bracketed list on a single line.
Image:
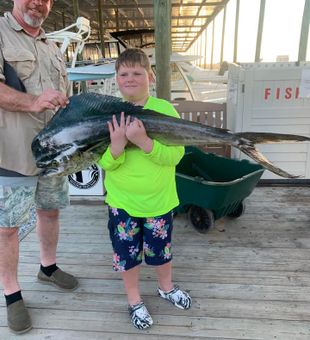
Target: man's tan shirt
[(39, 64)]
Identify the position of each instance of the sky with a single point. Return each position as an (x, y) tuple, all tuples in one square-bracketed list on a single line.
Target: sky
[(282, 26), (281, 30)]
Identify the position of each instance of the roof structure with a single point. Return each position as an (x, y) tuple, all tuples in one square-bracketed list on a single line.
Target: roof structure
[(188, 18)]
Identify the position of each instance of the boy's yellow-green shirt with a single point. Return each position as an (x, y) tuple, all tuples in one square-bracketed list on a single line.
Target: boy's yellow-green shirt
[(142, 183)]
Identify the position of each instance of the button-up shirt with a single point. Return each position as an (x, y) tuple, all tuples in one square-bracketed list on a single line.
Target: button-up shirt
[(39, 64)]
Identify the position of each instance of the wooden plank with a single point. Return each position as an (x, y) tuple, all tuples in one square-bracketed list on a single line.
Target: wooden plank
[(203, 327), (249, 277)]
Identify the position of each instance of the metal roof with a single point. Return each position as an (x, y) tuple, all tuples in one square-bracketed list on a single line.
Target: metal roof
[(188, 18)]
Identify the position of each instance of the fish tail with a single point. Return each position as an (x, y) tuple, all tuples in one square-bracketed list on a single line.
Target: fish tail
[(245, 142), (253, 153)]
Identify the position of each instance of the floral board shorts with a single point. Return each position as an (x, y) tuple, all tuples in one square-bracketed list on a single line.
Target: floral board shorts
[(135, 237), (20, 196)]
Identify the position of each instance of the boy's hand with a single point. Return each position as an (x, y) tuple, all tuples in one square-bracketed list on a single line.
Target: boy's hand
[(136, 134), (118, 135)]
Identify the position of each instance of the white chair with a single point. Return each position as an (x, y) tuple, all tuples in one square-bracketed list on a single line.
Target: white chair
[(66, 36)]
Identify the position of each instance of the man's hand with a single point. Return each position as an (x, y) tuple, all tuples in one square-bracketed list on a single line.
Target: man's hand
[(118, 135), (16, 101), (49, 99), (136, 134)]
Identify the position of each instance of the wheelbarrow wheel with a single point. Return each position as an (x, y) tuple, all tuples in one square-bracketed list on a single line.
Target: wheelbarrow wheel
[(202, 219), (238, 211)]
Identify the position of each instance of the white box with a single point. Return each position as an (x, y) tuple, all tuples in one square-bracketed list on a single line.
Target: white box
[(265, 97)]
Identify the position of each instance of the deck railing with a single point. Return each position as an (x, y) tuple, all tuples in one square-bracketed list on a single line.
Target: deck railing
[(212, 114)]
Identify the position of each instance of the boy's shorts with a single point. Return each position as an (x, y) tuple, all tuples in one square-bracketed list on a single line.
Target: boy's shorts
[(133, 237), (20, 195)]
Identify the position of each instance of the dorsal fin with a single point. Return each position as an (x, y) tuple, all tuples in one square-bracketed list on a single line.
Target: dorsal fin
[(89, 105)]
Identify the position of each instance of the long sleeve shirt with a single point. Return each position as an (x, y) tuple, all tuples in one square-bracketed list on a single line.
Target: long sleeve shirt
[(142, 183)]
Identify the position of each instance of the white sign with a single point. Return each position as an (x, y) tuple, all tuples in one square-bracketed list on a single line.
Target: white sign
[(304, 91), (87, 182)]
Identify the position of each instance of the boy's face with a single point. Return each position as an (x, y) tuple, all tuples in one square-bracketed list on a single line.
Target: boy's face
[(133, 82)]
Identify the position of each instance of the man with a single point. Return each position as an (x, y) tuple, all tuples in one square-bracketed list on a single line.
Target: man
[(38, 64)]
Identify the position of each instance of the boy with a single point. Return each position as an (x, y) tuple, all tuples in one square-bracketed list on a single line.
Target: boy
[(141, 191)]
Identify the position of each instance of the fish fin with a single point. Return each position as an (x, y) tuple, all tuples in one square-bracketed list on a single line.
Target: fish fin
[(51, 172), (255, 154), (270, 137)]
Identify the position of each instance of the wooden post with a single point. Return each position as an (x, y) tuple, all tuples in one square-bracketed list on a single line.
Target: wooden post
[(236, 31), (117, 19), (303, 41), (162, 18), (223, 35), (260, 30), (205, 50), (212, 43), (76, 13), (63, 26), (101, 29), (76, 8)]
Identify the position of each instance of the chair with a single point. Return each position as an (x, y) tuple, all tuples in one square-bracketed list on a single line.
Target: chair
[(66, 36), (212, 114)]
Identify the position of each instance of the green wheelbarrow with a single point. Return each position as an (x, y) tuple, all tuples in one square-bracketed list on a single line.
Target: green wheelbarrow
[(211, 186)]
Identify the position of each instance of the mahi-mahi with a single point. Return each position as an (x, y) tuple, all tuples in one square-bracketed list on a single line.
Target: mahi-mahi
[(78, 134)]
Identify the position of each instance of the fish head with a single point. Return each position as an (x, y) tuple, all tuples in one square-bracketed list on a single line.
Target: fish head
[(64, 165), (47, 153)]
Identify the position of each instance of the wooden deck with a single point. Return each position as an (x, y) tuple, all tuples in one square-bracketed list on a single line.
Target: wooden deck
[(249, 277)]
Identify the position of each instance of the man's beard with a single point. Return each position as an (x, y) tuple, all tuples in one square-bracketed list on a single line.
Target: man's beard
[(33, 22)]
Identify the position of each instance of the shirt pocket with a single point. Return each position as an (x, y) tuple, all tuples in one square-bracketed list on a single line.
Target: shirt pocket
[(23, 61), (58, 73)]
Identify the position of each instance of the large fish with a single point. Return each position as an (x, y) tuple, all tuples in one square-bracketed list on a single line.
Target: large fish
[(78, 135)]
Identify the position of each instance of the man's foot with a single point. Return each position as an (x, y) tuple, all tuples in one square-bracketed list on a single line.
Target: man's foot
[(59, 279), (140, 317), (18, 317), (176, 296)]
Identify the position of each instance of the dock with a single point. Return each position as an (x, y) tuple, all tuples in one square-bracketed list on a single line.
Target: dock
[(249, 277)]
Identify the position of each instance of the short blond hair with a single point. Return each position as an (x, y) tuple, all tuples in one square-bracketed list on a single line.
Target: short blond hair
[(131, 57)]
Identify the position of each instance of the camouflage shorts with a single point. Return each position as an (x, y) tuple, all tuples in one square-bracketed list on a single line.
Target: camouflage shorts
[(19, 196)]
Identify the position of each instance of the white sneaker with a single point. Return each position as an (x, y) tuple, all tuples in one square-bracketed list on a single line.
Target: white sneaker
[(176, 296), (140, 317)]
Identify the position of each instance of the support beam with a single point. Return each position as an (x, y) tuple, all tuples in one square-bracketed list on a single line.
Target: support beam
[(197, 27), (203, 27), (260, 30), (141, 13), (174, 17), (76, 8), (63, 26), (123, 13), (303, 41), (117, 20), (223, 35), (212, 44), (141, 5), (236, 31), (162, 19), (206, 48), (101, 28)]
